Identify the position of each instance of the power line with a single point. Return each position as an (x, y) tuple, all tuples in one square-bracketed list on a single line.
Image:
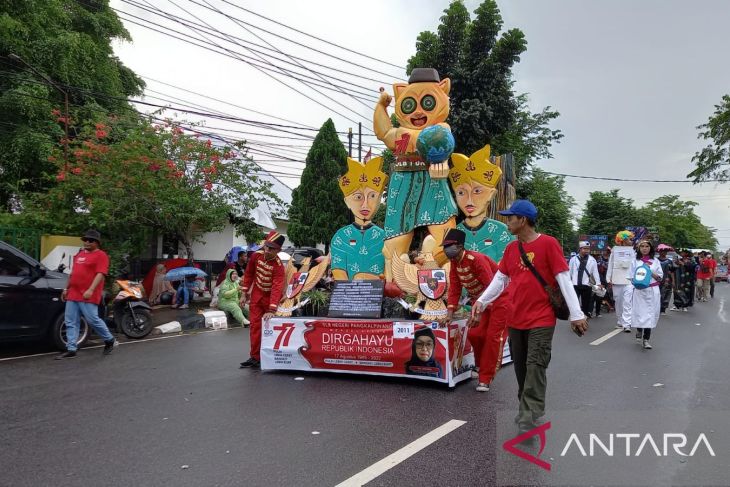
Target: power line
[(308, 84), (246, 59), (313, 36), (240, 24), (633, 180)]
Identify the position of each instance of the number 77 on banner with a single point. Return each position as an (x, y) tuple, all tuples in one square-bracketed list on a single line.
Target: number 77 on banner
[(286, 330)]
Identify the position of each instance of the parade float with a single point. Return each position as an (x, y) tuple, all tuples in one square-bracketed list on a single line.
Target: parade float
[(370, 264)]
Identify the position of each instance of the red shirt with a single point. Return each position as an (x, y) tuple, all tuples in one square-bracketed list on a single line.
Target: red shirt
[(85, 268), (265, 279), (531, 306), (473, 272), (710, 265)]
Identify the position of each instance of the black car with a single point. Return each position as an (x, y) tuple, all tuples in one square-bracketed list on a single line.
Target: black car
[(30, 300)]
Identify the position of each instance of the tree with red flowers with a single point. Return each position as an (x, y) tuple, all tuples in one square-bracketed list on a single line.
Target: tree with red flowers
[(133, 179)]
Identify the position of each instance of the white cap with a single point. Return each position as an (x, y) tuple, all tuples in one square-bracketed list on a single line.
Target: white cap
[(584, 243)]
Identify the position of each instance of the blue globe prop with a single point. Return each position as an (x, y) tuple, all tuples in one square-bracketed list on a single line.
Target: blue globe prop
[(435, 144)]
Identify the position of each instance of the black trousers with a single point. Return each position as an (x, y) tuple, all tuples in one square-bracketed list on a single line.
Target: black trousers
[(585, 296)]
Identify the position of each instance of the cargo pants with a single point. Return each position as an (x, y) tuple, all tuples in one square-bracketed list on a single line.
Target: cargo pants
[(531, 352)]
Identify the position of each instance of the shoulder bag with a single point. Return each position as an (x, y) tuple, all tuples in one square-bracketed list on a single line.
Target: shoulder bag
[(557, 301)]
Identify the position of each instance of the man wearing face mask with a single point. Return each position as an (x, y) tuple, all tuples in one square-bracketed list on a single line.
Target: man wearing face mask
[(473, 272)]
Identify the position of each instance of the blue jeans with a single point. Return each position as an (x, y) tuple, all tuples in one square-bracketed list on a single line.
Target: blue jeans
[(183, 294), (72, 319)]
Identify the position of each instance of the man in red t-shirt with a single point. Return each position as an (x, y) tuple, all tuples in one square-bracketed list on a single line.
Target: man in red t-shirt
[(83, 294), (705, 275), (532, 322)]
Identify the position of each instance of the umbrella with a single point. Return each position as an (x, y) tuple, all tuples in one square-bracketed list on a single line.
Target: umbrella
[(181, 272), (661, 247)]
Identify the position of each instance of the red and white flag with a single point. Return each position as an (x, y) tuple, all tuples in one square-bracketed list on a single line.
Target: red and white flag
[(368, 155)]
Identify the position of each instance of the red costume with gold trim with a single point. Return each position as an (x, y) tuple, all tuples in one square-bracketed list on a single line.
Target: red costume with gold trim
[(474, 272), (264, 279)]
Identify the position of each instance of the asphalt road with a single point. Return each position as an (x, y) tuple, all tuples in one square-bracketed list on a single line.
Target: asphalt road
[(178, 412)]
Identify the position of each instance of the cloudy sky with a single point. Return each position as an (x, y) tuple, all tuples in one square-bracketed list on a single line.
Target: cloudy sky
[(631, 79)]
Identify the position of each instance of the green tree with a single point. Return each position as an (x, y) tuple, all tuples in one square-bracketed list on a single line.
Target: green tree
[(553, 204), (713, 162), (678, 224), (608, 212), (69, 41), (132, 180), (317, 210), (484, 108)]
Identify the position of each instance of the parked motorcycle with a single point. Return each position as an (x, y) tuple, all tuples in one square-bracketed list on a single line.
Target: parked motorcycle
[(132, 315)]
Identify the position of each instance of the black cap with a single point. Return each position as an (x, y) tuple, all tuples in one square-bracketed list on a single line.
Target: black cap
[(92, 234), (424, 75), (454, 236)]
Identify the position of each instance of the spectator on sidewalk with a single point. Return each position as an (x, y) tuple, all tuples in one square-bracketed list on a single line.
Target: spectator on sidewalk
[(83, 294), (239, 265), (160, 286), (185, 292), (229, 297), (584, 269), (532, 323)]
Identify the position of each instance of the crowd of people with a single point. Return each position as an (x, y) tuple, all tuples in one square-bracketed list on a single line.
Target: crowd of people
[(607, 282)]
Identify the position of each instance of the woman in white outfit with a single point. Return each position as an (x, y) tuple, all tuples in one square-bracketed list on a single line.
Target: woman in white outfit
[(646, 302), (617, 276)]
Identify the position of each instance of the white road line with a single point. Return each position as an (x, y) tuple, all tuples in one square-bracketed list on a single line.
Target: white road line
[(378, 468), (143, 340), (721, 312), (607, 336)]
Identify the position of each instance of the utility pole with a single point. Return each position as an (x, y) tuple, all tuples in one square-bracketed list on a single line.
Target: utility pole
[(349, 142), (66, 115), (359, 141)]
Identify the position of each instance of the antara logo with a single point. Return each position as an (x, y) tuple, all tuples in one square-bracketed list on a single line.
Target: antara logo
[(509, 445), (614, 445)]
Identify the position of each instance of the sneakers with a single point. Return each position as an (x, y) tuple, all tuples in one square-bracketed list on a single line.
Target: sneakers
[(250, 363), (647, 345), (639, 336), (67, 354), (184, 306), (109, 346), (619, 325), (674, 308), (664, 313), (482, 387), (475, 373), (685, 309), (175, 306), (627, 329)]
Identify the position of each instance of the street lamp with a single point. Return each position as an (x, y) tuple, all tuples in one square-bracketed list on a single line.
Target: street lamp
[(48, 80)]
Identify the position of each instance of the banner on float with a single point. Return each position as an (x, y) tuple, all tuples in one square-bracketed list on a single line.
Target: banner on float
[(413, 349)]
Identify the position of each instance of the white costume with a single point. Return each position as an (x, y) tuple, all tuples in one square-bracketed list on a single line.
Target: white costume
[(618, 275), (591, 270), (646, 303)]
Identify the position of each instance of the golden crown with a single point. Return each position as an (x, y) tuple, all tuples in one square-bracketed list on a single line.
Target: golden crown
[(475, 168), (360, 175)]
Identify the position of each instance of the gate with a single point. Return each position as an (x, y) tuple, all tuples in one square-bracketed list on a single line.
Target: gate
[(27, 240)]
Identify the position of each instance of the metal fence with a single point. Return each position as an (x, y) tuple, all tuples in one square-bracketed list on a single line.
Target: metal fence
[(26, 239)]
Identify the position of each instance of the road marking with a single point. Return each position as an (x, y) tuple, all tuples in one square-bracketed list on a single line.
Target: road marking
[(607, 336), (120, 343), (721, 312), (379, 468)]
